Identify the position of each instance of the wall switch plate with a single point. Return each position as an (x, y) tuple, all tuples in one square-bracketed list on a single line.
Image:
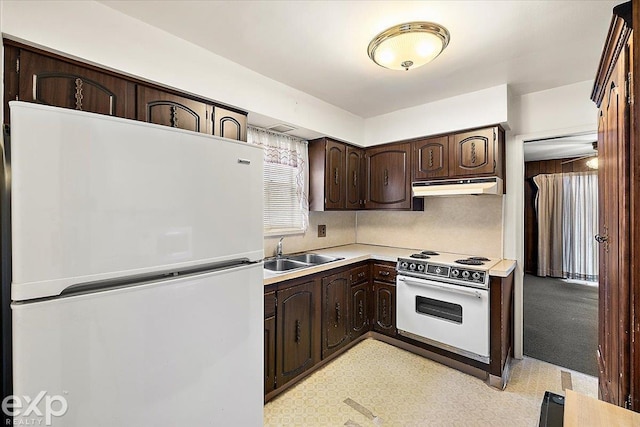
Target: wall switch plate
[(322, 230)]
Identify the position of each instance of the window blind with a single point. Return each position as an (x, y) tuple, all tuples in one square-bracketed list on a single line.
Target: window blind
[(285, 179)]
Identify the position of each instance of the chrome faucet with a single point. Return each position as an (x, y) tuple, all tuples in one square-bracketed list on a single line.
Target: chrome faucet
[(279, 248)]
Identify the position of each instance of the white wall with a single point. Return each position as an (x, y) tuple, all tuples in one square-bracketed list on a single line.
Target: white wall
[(475, 109), (96, 33), (563, 110)]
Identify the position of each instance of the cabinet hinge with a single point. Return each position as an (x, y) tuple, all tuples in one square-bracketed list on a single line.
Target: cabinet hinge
[(627, 402), (17, 65), (494, 135), (627, 88)]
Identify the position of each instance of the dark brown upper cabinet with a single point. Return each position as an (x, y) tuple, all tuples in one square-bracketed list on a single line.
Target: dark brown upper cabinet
[(229, 124), (477, 153), (353, 178), (328, 177), (59, 83), (163, 108), (430, 158), (388, 177), (34, 75)]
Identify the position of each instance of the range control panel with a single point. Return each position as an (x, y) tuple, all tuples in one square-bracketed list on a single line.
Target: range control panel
[(426, 270)]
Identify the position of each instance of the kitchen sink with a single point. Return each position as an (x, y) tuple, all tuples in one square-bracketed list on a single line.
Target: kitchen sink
[(294, 262), (313, 258), (284, 264)]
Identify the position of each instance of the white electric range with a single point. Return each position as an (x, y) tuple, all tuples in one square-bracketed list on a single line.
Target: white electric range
[(443, 300)]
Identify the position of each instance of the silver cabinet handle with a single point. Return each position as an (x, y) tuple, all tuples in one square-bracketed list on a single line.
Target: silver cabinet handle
[(601, 239)]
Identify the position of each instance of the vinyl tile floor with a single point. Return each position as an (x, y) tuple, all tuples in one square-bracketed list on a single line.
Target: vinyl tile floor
[(376, 384)]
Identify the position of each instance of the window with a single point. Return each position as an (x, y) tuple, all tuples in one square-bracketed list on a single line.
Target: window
[(285, 177)]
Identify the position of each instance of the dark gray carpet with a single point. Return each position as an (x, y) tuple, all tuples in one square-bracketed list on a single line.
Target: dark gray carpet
[(561, 323)]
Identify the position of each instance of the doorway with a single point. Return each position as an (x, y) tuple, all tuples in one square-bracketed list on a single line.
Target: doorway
[(560, 293)]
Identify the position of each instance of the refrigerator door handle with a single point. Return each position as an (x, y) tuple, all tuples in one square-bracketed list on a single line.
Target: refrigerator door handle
[(105, 285)]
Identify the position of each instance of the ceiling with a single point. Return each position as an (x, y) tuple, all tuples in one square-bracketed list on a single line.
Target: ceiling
[(561, 147), (320, 47)]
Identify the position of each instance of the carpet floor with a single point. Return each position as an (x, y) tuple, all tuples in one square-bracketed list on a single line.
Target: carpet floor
[(561, 323)]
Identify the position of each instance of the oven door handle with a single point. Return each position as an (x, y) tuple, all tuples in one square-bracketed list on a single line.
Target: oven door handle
[(461, 290)]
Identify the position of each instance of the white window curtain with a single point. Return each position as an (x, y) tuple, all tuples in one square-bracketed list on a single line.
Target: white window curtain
[(567, 211), (286, 181), (580, 219)]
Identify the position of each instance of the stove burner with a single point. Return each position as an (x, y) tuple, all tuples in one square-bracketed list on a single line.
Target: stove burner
[(469, 261), (430, 253), (420, 256), (478, 258)]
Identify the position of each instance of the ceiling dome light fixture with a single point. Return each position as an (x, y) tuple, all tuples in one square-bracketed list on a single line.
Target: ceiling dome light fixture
[(409, 45)]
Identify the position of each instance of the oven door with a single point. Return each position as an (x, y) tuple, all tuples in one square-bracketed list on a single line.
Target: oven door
[(449, 316)]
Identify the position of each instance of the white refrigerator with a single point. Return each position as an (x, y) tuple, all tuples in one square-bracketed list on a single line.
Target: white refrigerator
[(137, 296)]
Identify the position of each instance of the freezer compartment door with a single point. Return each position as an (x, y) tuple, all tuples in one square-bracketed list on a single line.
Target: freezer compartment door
[(182, 352), (96, 197)]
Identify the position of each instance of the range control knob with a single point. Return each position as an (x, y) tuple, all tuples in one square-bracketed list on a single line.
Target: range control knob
[(465, 274), (476, 276), (404, 264), (455, 272), (420, 267), (438, 270), (412, 266)]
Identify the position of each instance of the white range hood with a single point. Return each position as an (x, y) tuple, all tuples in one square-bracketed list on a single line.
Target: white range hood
[(454, 187)]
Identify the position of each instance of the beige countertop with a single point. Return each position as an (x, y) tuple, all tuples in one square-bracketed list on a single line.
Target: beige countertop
[(356, 253)]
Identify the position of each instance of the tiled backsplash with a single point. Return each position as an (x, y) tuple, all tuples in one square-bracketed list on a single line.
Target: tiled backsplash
[(462, 224)]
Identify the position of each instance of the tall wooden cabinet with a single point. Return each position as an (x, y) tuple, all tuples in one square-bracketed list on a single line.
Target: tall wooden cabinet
[(615, 92)]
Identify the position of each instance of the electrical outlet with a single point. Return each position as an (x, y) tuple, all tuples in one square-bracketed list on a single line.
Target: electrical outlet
[(322, 230)]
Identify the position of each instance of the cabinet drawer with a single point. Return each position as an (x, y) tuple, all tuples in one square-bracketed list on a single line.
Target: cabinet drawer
[(269, 304), (359, 275), (384, 273)]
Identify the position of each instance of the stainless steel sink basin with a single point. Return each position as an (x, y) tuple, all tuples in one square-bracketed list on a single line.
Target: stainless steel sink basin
[(294, 262), (314, 259), (284, 264)]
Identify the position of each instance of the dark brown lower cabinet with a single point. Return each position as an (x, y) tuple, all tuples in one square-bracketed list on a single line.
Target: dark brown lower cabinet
[(313, 317), (360, 309), (269, 354), (335, 313), (384, 312), (296, 331)]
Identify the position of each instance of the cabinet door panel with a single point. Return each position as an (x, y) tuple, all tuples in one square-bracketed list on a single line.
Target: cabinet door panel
[(269, 354), (473, 153), (388, 177), (335, 313), (163, 108), (229, 124), (295, 349), (334, 175), (55, 82), (431, 158), (384, 308), (359, 309), (353, 179)]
